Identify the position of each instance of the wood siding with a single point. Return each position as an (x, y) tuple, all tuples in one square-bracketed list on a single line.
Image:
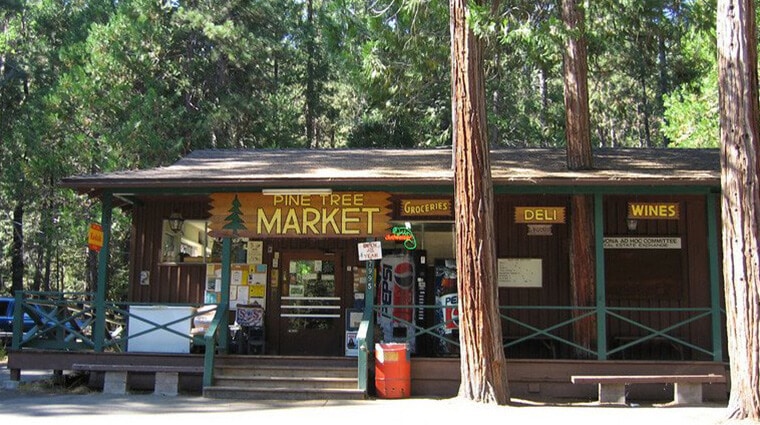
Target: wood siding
[(184, 282), (168, 283), (512, 241)]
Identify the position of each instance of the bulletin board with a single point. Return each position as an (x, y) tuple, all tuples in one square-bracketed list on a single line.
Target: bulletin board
[(247, 284), (520, 273)]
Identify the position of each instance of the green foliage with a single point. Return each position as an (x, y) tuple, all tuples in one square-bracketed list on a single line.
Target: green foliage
[(524, 76), (377, 132), (691, 112), (401, 72)]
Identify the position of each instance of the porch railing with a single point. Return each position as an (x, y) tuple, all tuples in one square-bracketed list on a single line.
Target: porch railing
[(621, 330), (65, 321)]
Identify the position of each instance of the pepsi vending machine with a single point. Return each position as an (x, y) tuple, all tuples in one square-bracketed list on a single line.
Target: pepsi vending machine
[(446, 316), (401, 283)]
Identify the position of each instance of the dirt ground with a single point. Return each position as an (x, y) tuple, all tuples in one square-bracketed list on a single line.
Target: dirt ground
[(37, 398)]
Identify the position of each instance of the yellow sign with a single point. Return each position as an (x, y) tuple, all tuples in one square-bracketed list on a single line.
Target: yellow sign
[(95, 237), (340, 214), (654, 210), (542, 215), (426, 208)]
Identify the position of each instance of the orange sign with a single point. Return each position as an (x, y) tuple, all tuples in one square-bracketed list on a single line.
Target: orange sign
[(95, 237), (540, 215), (654, 210), (339, 214)]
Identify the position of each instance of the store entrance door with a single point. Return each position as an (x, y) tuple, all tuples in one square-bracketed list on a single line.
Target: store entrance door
[(310, 304)]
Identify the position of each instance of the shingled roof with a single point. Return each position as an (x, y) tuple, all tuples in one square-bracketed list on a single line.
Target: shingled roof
[(371, 167)]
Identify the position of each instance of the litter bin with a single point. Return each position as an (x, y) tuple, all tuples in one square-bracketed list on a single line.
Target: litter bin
[(392, 370)]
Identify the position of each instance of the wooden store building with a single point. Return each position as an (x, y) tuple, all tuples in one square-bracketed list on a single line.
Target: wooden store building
[(241, 258)]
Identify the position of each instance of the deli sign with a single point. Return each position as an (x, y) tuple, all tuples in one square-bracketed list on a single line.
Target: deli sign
[(337, 214), (540, 215)]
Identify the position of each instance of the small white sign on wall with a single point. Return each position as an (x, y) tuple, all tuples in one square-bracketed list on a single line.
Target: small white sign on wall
[(520, 273), (370, 251), (642, 243)]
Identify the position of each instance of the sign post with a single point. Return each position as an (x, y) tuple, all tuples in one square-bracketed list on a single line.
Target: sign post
[(368, 252)]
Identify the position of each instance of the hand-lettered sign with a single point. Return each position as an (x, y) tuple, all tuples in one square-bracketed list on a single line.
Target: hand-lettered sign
[(338, 214)]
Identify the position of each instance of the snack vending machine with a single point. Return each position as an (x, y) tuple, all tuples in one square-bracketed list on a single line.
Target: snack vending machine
[(401, 282)]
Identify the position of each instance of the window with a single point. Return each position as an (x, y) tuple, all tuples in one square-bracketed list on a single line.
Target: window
[(191, 244)]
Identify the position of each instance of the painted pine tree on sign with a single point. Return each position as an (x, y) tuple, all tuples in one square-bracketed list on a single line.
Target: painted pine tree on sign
[(235, 220)]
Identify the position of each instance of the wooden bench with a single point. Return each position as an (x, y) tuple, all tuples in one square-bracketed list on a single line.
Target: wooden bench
[(687, 389), (166, 379)]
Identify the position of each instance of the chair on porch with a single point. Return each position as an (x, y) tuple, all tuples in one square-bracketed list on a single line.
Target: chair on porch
[(252, 339)]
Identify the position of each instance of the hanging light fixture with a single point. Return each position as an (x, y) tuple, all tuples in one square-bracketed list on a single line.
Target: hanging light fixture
[(176, 221)]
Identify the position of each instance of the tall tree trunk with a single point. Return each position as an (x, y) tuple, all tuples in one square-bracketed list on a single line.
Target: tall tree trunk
[(582, 272), (311, 101), (664, 82), (493, 129), (37, 277), (575, 66), (579, 157), (17, 250), (48, 271), (92, 271), (647, 139), (739, 133), (544, 115), (482, 361)]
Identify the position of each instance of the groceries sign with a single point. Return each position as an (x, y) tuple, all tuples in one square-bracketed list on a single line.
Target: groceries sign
[(426, 207), (340, 214)]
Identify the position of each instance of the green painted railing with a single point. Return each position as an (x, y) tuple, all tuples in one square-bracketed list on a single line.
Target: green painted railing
[(66, 322), (211, 342), (556, 335)]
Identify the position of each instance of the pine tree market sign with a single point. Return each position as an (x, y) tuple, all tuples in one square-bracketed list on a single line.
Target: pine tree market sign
[(338, 214)]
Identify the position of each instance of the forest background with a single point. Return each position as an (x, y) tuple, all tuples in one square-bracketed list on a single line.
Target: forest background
[(89, 86)]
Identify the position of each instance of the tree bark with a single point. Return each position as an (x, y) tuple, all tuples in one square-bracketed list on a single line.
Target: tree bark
[(739, 111), (582, 272), (311, 92), (17, 249), (575, 66), (482, 361), (579, 157), (91, 283)]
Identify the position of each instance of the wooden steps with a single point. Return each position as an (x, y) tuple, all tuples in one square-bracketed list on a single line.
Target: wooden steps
[(285, 378)]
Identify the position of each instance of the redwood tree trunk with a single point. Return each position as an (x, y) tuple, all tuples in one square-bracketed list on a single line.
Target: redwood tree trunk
[(578, 135), (582, 272), (17, 249), (739, 112), (482, 361), (575, 67)]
